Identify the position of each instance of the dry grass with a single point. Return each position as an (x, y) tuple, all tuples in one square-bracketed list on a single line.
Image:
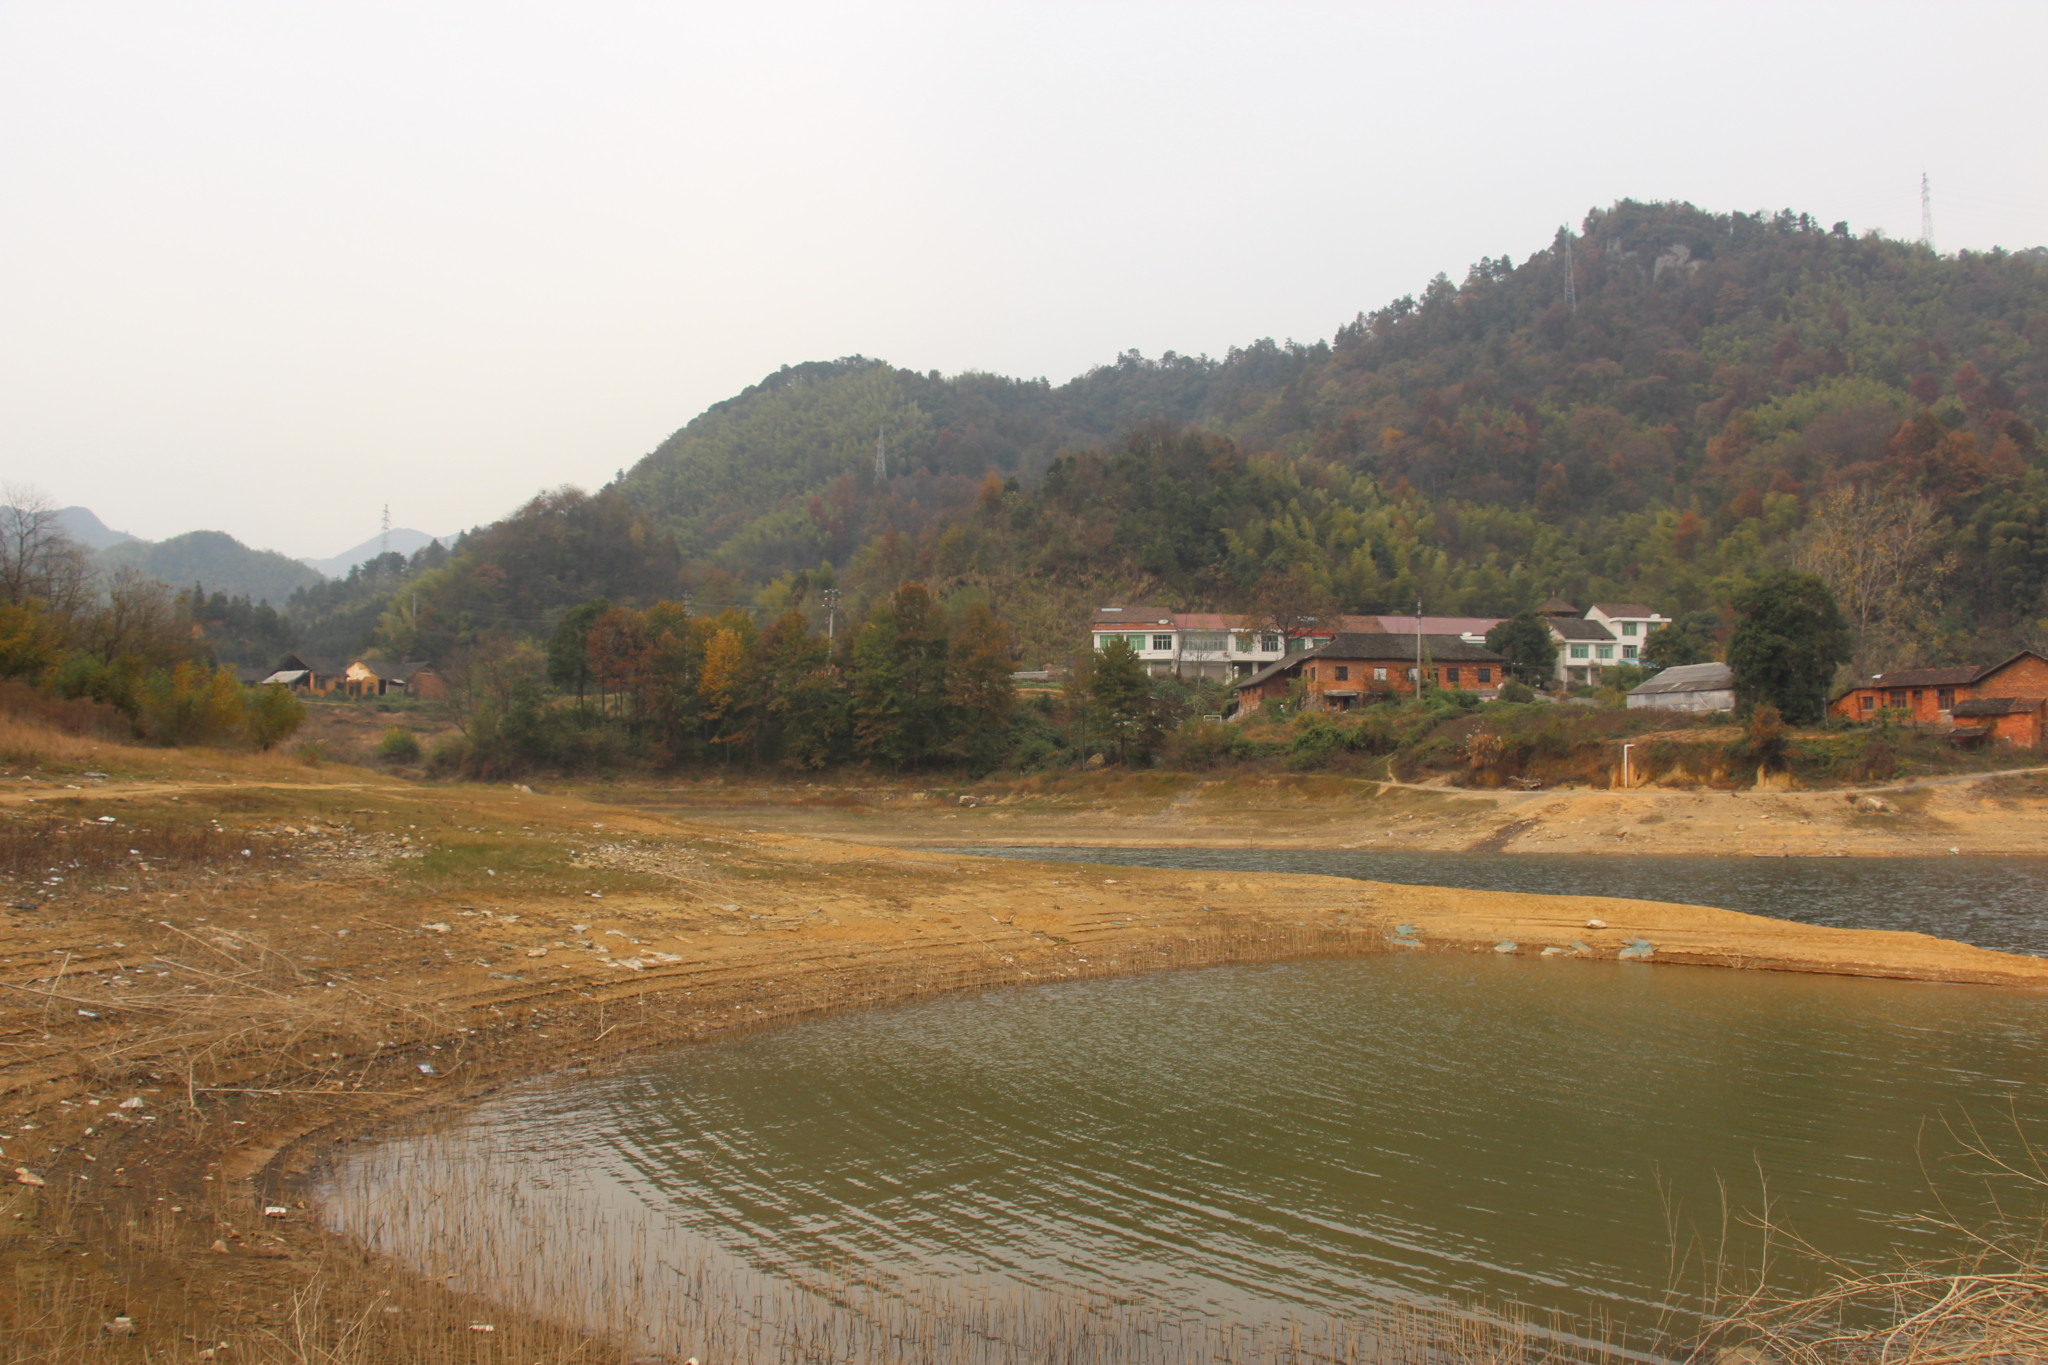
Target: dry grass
[(1986, 1306)]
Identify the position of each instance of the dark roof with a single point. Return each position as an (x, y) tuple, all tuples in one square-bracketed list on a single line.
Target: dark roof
[(1438, 649), (1996, 706), (391, 672), (1959, 676), (313, 663), (1579, 628), (1687, 678), (1621, 609), (1132, 616), (1557, 606)]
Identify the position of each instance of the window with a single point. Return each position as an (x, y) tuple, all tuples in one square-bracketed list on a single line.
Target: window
[(1411, 675), (1628, 651), (1379, 675), (1202, 641), (1269, 643), (1162, 642), (1870, 701), (1629, 627), (1485, 676), (1451, 676), (1578, 651), (1605, 651), (1242, 644), (1311, 670), (1343, 673), (1896, 697), (1945, 698)]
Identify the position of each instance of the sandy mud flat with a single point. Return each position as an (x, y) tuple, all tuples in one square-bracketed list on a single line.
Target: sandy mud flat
[(189, 1026)]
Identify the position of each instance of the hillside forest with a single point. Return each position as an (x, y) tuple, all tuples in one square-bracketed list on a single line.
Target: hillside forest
[(1665, 405)]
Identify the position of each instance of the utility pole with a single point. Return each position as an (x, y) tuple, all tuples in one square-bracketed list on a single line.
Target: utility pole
[(1926, 213), (1418, 646)]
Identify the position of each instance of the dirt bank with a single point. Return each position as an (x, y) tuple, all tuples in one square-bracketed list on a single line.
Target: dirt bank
[(225, 966), (1982, 814)]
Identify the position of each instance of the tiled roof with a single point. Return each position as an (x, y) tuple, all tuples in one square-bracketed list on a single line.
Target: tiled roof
[(1557, 606), (1687, 678), (1996, 706), (1438, 625), (1960, 676), (1132, 616), (1579, 628), (1623, 610), (1381, 648)]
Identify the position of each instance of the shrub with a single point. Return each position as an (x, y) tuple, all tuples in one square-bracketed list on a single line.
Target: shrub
[(398, 746), (1517, 691), (448, 757), (1201, 744), (272, 716), (189, 705)]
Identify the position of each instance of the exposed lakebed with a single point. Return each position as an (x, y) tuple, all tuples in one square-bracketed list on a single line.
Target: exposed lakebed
[(1999, 903), (1254, 1143)]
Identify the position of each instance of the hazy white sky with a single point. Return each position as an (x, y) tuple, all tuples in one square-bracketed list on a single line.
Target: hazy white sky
[(267, 267)]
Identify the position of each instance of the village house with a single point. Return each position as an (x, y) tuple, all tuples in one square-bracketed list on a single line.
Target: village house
[(1686, 687), (377, 678), (1221, 645), (2001, 701), (1352, 669), (1608, 635), (309, 673)]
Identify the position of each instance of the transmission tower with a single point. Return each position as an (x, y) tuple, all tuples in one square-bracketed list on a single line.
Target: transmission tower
[(831, 613), (1926, 213), (384, 536), (881, 457)]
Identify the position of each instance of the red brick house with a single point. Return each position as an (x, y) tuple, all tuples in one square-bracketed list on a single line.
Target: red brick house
[(2009, 720), (1356, 668), (1958, 696)]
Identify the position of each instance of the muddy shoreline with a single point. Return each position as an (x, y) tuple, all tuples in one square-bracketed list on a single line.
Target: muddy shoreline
[(409, 949)]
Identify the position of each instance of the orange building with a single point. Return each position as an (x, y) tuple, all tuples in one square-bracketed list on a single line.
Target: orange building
[(1356, 668), (1960, 696)]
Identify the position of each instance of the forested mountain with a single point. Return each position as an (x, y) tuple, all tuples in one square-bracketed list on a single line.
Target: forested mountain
[(1665, 428), (215, 559)]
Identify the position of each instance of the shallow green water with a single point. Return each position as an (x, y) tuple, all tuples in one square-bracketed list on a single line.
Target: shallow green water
[(1264, 1142)]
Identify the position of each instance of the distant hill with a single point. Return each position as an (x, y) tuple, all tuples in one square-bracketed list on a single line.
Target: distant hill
[(88, 530), (1647, 408), (215, 560), (403, 540)]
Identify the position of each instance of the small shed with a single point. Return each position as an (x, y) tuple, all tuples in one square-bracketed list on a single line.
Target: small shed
[(1686, 687), (2010, 720)]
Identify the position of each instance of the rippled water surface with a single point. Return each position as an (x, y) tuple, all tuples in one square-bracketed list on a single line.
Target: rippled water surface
[(1992, 902), (1258, 1141)]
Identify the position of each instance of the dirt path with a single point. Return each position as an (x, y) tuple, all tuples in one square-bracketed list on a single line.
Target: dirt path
[(179, 1041)]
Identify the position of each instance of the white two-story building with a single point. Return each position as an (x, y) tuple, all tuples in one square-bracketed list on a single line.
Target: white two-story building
[(1609, 635)]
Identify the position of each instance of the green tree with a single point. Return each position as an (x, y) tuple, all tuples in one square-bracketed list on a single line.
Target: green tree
[(1688, 640), (1525, 643), (568, 649), (1121, 711), (805, 704), (273, 716), (1789, 639), (899, 680), (978, 687)]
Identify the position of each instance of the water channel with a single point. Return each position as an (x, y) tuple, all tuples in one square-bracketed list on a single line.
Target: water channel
[(1253, 1144)]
